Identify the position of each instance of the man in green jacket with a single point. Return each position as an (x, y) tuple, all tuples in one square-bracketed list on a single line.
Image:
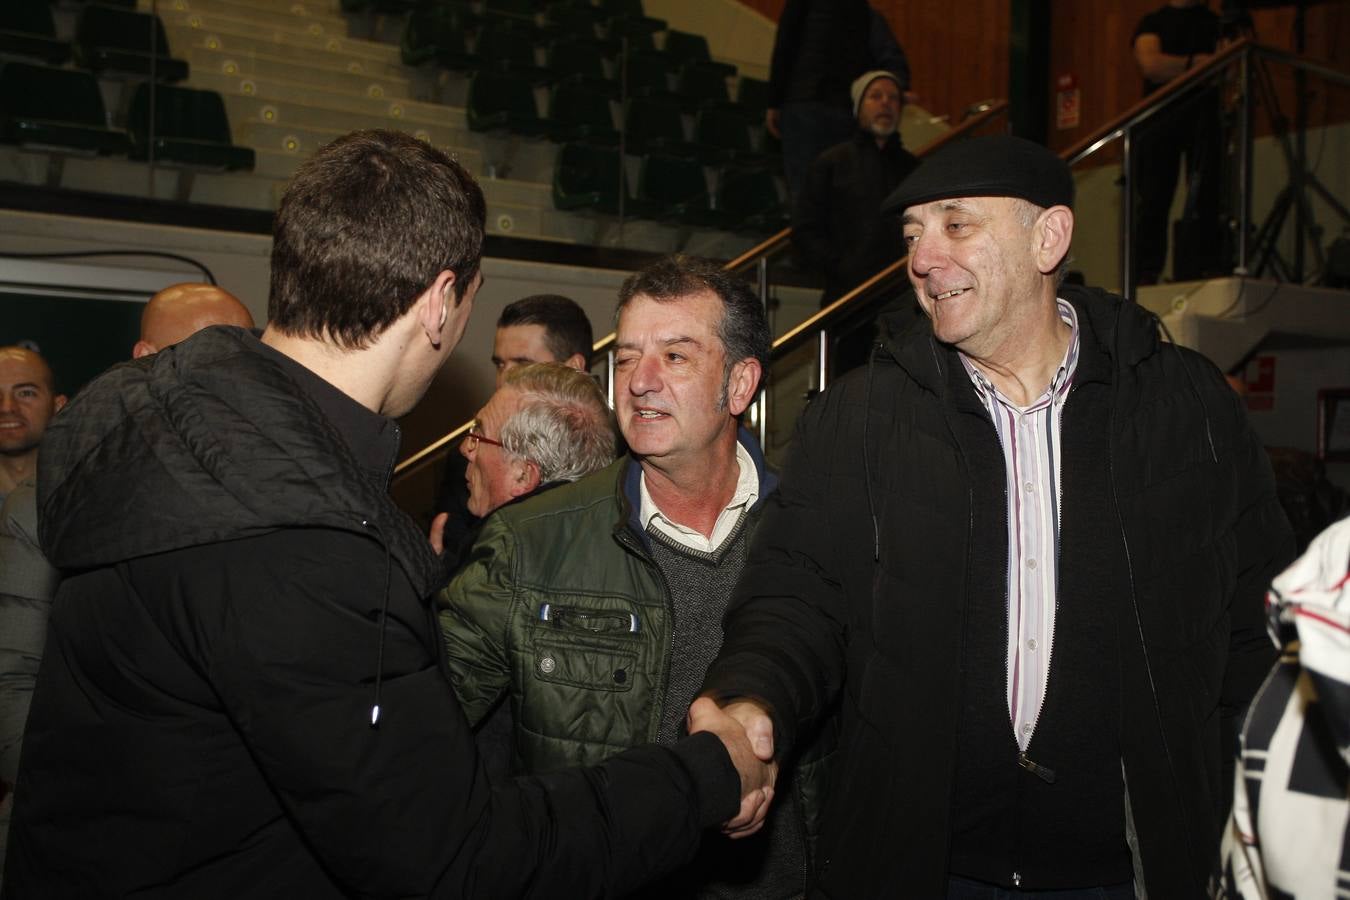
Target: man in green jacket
[(597, 607)]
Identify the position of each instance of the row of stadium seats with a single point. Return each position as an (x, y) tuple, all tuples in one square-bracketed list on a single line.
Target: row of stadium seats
[(669, 190), (107, 39), (62, 110), (505, 101)]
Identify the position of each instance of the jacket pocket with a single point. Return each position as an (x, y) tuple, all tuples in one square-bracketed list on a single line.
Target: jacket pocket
[(563, 659)]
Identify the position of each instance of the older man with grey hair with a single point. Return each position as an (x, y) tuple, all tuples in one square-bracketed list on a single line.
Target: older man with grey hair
[(547, 424)]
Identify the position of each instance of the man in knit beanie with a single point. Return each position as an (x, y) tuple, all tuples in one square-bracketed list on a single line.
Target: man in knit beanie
[(837, 225)]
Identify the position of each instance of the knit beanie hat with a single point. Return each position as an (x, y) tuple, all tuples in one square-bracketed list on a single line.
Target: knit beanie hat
[(861, 83)]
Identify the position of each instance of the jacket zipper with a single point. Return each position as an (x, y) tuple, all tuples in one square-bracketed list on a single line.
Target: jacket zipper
[(1042, 772)]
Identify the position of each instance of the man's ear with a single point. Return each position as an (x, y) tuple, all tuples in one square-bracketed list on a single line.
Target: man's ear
[(527, 478), (143, 348), (576, 361), (433, 307), (59, 402), (742, 384), (1053, 235)]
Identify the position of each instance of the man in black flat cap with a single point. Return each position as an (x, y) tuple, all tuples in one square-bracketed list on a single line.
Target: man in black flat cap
[(1022, 557)]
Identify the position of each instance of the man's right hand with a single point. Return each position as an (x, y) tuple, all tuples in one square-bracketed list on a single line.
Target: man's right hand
[(757, 773), (437, 534)]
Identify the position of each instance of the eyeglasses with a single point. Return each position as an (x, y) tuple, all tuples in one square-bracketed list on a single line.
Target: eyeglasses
[(474, 437)]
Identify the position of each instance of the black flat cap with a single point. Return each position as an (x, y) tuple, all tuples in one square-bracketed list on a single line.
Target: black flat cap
[(995, 166)]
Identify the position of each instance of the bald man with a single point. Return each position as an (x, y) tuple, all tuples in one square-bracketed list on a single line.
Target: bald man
[(28, 400), (181, 310)]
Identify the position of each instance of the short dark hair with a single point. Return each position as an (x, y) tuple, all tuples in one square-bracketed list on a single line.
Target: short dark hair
[(567, 331), (364, 228), (744, 330)]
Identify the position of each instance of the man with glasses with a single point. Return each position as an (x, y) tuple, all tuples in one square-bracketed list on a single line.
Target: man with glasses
[(546, 425)]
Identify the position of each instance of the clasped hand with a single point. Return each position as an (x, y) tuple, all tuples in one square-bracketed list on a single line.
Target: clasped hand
[(747, 732)]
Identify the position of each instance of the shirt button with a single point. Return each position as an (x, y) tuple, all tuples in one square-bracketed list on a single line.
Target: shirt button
[(1031, 644), (1026, 728), (1031, 564), (1029, 486)]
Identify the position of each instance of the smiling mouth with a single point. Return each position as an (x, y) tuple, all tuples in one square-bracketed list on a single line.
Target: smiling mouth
[(956, 293), (648, 414)]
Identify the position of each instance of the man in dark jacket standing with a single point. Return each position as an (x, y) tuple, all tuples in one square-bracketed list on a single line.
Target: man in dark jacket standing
[(243, 692), (1025, 553), (837, 224)]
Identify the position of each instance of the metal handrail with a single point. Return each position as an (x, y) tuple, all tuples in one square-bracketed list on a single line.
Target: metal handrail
[(820, 320), (1149, 106)]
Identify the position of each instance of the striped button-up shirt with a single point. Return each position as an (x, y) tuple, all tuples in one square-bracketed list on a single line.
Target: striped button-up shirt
[(1030, 437)]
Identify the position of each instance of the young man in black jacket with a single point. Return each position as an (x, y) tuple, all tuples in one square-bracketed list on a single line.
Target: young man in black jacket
[(1025, 553), (244, 692)]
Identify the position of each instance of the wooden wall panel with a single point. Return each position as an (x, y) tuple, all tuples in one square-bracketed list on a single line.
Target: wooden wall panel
[(1093, 43), (958, 51), (955, 59)]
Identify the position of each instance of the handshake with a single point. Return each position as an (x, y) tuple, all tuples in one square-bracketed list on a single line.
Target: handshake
[(746, 730)]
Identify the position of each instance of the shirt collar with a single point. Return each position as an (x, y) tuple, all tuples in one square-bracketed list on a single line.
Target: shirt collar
[(1059, 385), (745, 495)]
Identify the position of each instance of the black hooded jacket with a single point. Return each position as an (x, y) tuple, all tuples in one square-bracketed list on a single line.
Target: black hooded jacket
[(242, 600), (887, 538)]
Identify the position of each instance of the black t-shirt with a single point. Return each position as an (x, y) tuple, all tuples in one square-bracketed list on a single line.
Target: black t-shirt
[(1181, 31)]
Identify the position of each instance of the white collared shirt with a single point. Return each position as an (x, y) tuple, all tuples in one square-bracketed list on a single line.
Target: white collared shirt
[(744, 497)]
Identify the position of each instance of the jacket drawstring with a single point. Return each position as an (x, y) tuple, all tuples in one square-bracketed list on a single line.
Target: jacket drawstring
[(384, 620), (867, 465), (1195, 389)]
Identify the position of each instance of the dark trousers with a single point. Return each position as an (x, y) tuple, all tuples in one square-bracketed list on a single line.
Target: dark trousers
[(1189, 134), (959, 888), (808, 128)]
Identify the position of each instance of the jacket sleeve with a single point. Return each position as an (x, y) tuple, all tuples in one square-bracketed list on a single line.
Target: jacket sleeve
[(786, 46), (785, 626), (811, 215), (27, 586), (475, 615), (405, 809), (1265, 547)]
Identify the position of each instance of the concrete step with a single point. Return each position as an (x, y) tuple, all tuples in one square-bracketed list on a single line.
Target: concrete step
[(266, 66), (297, 16), (314, 36), (184, 36), (336, 103)]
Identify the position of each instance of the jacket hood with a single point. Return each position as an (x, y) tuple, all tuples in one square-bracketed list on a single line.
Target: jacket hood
[(209, 440)]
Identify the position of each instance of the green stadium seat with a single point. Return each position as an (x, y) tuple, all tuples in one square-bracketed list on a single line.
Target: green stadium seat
[(521, 12), (586, 177), (648, 75), (722, 134), (632, 11), (683, 47), (191, 129), (55, 108), (507, 46), (751, 201), (579, 59), (656, 125), (122, 41), (678, 190), (752, 94), (27, 29), (578, 113), (572, 19), (700, 85), (503, 101), (436, 33)]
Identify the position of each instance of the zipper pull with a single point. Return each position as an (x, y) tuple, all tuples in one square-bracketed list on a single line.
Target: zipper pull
[(1040, 771)]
